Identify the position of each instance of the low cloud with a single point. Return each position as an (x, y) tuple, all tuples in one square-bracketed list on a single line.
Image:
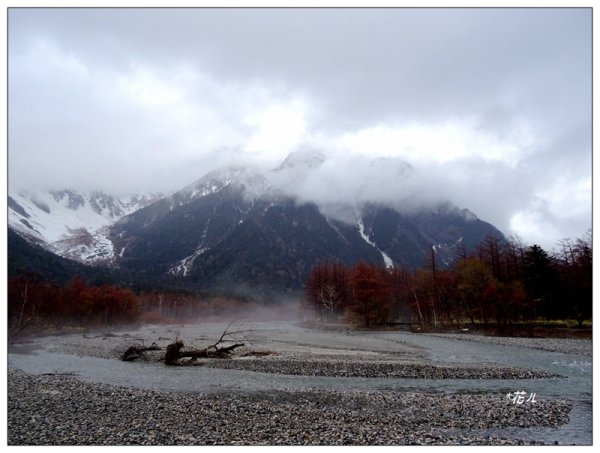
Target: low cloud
[(487, 108)]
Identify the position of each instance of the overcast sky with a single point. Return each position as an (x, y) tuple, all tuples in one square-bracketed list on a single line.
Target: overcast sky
[(491, 107)]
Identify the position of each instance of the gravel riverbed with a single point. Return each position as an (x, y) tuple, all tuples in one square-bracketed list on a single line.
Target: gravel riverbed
[(55, 409), (345, 368), (61, 410), (562, 345)]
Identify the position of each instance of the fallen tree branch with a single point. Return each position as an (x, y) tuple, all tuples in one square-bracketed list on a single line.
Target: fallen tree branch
[(173, 354), (221, 349), (135, 352), (206, 353), (216, 350)]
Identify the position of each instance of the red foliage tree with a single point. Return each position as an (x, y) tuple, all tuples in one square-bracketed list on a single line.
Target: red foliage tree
[(34, 301), (370, 292), (25, 300), (401, 287), (108, 304)]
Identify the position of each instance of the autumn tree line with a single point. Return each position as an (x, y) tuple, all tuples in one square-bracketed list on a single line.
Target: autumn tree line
[(502, 282), (37, 303)]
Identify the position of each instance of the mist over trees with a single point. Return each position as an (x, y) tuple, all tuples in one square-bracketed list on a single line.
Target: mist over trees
[(34, 302), (37, 303), (501, 282)]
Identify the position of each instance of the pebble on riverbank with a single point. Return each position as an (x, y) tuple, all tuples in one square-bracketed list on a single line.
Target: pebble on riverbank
[(562, 345), (378, 369), (60, 410)]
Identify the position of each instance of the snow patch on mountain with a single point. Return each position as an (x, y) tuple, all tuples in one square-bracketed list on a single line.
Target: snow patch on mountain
[(304, 159), (53, 218), (69, 223), (361, 229), (183, 267), (250, 179), (448, 252), (468, 215)]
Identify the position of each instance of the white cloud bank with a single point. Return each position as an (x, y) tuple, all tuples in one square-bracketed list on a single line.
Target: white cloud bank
[(492, 107)]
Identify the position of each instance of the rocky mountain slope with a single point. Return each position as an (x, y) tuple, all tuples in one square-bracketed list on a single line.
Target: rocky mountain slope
[(235, 230), (243, 228), (70, 223)]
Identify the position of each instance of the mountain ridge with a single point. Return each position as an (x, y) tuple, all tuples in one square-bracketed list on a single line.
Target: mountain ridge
[(72, 224), (240, 227)]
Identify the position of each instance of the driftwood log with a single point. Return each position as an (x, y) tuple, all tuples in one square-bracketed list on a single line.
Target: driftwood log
[(175, 351), (135, 352)]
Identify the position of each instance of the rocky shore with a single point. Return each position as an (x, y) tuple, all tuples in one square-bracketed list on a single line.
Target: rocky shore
[(562, 345), (55, 409), (345, 368), (61, 410)]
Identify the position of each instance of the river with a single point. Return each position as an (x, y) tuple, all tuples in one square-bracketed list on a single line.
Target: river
[(576, 386)]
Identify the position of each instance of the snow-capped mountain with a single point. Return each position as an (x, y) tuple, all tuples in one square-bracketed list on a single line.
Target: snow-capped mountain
[(69, 223), (247, 227), (235, 227), (252, 180)]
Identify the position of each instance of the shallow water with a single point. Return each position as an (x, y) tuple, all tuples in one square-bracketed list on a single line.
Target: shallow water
[(575, 387), (577, 369)]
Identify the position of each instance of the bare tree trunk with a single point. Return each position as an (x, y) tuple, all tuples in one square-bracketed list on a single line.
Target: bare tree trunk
[(24, 303), (418, 307)]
